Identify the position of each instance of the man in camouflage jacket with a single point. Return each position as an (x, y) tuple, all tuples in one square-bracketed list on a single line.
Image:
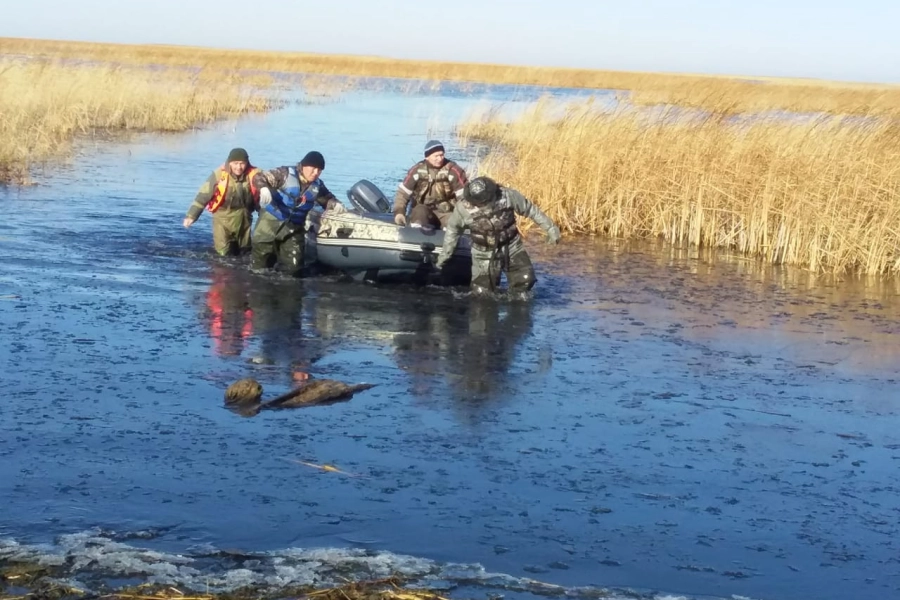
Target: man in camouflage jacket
[(489, 212), (433, 185)]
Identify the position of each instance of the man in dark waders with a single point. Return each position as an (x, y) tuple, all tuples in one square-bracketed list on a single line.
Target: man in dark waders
[(489, 212), (286, 195), (228, 193)]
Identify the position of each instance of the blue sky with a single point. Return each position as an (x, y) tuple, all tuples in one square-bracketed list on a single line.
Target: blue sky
[(831, 39)]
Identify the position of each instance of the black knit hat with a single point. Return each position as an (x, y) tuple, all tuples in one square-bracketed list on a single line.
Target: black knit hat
[(238, 154), (313, 159)]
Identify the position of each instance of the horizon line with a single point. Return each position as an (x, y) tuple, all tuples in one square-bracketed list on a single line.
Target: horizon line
[(390, 59)]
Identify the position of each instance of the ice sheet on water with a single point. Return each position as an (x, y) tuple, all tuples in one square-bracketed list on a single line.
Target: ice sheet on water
[(94, 557)]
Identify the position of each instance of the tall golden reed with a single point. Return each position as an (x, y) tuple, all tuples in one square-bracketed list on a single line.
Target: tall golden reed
[(46, 104), (735, 94), (822, 192)]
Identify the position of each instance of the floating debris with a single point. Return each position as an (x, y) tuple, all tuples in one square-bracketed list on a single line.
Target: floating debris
[(245, 395), (316, 392), (244, 391), (851, 436), (327, 468)]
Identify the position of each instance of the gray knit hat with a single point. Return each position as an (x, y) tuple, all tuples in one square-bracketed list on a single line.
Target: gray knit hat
[(433, 146)]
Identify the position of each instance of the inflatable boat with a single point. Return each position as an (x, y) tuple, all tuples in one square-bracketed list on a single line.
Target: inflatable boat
[(367, 245)]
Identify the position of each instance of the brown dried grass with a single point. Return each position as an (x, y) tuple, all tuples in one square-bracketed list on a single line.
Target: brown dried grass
[(46, 104), (821, 193)]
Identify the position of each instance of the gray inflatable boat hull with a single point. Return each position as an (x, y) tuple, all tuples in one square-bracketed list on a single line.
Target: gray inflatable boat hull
[(370, 246)]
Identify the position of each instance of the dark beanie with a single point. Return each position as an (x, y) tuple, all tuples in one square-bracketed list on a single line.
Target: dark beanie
[(433, 146), (238, 154), (313, 159)]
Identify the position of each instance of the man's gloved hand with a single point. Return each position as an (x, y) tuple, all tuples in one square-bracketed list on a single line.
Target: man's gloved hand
[(265, 197), (553, 235), (400, 219), (336, 208), (187, 222)]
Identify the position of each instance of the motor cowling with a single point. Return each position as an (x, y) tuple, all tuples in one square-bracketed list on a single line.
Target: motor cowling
[(366, 197)]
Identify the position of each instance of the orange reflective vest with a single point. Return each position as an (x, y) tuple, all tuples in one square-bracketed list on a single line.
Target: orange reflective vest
[(218, 195)]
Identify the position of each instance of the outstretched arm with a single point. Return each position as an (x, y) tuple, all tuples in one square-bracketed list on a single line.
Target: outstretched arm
[(267, 182), (527, 208), (326, 199), (201, 199), (272, 179), (455, 226)]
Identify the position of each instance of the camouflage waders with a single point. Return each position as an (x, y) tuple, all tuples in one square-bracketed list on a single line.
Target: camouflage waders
[(231, 231), (274, 244), (512, 259)]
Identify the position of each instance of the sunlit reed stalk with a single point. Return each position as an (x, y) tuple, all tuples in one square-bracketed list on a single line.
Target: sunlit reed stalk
[(45, 105), (720, 93), (820, 192)]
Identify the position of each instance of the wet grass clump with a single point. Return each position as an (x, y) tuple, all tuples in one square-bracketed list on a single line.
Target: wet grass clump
[(30, 581)]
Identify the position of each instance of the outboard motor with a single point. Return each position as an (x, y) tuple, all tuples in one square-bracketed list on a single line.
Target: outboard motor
[(366, 197)]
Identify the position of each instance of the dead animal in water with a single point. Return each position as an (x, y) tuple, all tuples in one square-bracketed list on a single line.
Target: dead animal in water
[(245, 395), (244, 391), (315, 392)]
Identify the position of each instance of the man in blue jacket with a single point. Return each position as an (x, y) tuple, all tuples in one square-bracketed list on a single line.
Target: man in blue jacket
[(286, 195)]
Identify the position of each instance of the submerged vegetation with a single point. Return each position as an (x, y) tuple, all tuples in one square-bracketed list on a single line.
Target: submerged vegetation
[(46, 104), (818, 192)]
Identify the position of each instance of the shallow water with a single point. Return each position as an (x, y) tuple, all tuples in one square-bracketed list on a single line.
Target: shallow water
[(652, 420)]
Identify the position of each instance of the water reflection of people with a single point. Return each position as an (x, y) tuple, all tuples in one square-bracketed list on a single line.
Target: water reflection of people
[(437, 340), (229, 315), (468, 348), (473, 350), (245, 309)]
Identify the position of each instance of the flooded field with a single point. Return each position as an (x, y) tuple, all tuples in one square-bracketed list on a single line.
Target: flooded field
[(653, 423)]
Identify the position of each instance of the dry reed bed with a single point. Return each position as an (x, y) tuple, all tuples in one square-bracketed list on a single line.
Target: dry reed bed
[(734, 96), (737, 95), (46, 104), (820, 193)]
